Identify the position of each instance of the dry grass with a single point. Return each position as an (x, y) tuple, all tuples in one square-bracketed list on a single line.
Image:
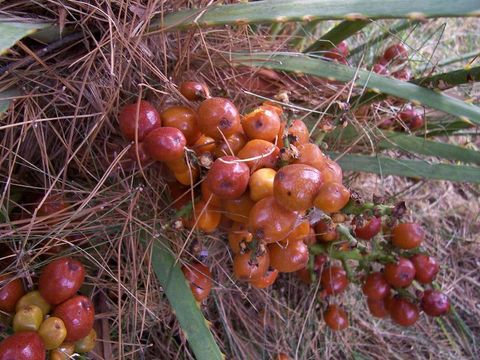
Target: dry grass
[(62, 137)]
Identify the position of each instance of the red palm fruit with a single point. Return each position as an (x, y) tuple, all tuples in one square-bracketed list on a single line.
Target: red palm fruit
[(403, 312), (141, 117), (25, 345), (194, 91), (369, 229), (375, 286), (200, 279), (165, 144), (228, 177), (218, 118), (297, 133), (335, 318), (434, 303), (407, 235), (261, 123), (289, 257), (396, 53), (426, 268), (266, 280), (400, 274), (334, 280), (183, 119), (10, 292)]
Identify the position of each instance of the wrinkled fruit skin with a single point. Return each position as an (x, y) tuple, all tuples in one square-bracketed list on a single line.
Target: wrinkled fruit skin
[(217, 116), (10, 293), (435, 303), (200, 279), (228, 178), (77, 314), (407, 235), (61, 279), (403, 312), (295, 186), (22, 346), (148, 119), (335, 318)]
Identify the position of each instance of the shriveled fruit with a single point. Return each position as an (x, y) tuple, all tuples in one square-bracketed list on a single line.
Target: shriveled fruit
[(200, 279), (400, 274), (26, 345), (218, 118), (369, 228), (261, 183), (251, 265), (232, 146), (295, 186), (194, 91), (34, 298), (228, 177), (334, 280), (426, 268), (266, 280), (297, 133), (28, 318), (11, 290), (262, 123), (269, 221), (259, 154), (139, 117), (53, 332), (434, 303), (378, 308), (77, 313), (375, 286), (63, 352), (183, 119), (335, 317), (238, 209), (61, 279), (326, 231), (332, 197), (288, 257), (165, 144), (403, 312), (407, 235), (238, 237), (86, 344), (310, 154), (206, 218)]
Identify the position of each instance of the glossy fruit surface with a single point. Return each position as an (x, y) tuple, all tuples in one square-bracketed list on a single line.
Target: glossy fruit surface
[(218, 118), (200, 279), (396, 53), (183, 119), (378, 308), (266, 280), (332, 172), (11, 290), (335, 317), (403, 312), (239, 237), (299, 232), (53, 332), (142, 116), (310, 154), (34, 298), (188, 177), (334, 280), (77, 313), (250, 266), (25, 345), (261, 183), (295, 186), (234, 144), (331, 197), (165, 144), (369, 229), (207, 196), (407, 235), (204, 144), (238, 209), (86, 344), (288, 257), (269, 221), (326, 231), (28, 318), (194, 91), (375, 286), (434, 303), (63, 352), (426, 268), (61, 279), (205, 217), (297, 133), (400, 274), (311, 238), (228, 178), (259, 154), (261, 123)]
